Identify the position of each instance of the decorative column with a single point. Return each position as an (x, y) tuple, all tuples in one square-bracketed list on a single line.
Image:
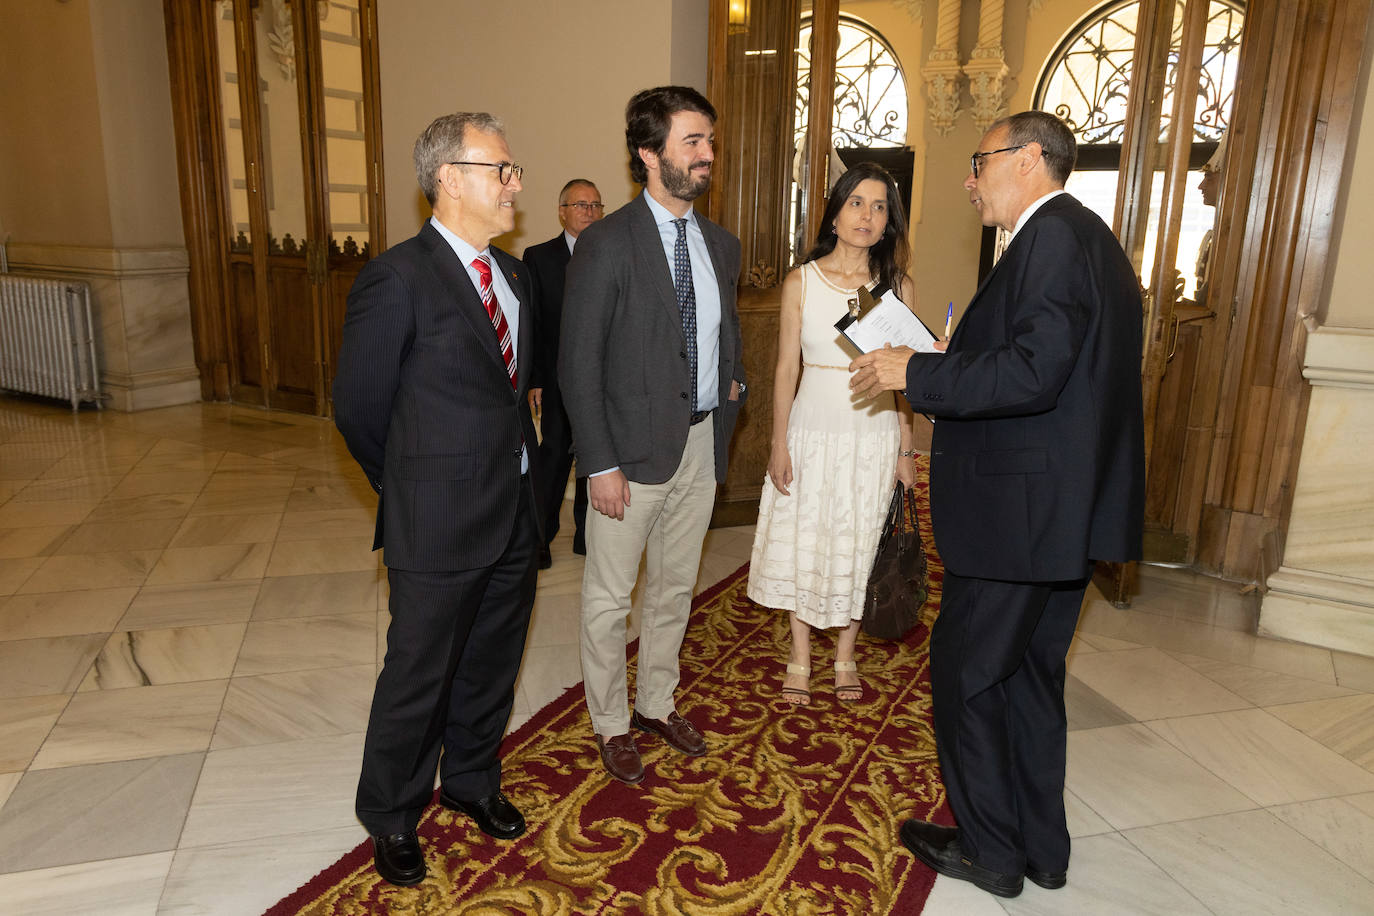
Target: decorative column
[(942, 72), (987, 67)]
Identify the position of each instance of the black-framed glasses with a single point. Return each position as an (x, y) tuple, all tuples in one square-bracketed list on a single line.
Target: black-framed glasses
[(976, 160), (504, 170), (586, 206)]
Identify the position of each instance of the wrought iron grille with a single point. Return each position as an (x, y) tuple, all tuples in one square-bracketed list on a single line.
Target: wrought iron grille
[(870, 90), (1086, 81)]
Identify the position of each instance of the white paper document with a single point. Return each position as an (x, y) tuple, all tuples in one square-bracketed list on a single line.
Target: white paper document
[(870, 323)]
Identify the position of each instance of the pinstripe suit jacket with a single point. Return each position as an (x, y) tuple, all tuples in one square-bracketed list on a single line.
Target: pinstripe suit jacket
[(424, 403)]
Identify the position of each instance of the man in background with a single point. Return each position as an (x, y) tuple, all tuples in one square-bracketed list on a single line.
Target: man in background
[(579, 205), (652, 377), (1037, 469), (430, 398)]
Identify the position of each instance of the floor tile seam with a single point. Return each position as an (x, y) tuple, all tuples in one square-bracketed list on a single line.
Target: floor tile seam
[(1209, 621), (276, 742), (101, 762), (340, 667), (305, 617), (1098, 814), (169, 853), (1220, 686), (1174, 747), (28, 765), (1173, 653), (1188, 891), (1322, 850), (1226, 781), (186, 815)]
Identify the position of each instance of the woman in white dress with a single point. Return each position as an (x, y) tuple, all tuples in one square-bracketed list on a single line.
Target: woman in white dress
[(834, 456)]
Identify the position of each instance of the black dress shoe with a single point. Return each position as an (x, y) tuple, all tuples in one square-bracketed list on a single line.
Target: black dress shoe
[(580, 544), (545, 558), (495, 815), (398, 858), (949, 860), (1049, 880)]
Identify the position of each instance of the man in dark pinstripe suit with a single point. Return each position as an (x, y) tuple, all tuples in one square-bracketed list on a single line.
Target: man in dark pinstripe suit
[(431, 398)]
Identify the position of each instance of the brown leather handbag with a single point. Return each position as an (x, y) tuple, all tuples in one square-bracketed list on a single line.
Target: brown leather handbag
[(897, 585)]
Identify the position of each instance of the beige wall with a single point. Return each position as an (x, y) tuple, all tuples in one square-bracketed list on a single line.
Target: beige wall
[(1352, 283), (129, 53), (945, 232), (559, 75), (53, 183), (88, 181)]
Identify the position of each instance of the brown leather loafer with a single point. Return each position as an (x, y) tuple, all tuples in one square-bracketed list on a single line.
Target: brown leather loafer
[(620, 757), (677, 731)]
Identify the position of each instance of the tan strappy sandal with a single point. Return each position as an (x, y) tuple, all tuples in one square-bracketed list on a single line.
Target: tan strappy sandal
[(847, 693), (798, 696)]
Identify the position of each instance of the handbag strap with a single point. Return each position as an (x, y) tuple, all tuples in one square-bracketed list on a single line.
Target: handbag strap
[(895, 512)]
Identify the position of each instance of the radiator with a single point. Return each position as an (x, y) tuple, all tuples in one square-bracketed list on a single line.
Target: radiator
[(47, 343)]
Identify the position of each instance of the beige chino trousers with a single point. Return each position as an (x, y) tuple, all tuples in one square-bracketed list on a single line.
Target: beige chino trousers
[(664, 523)]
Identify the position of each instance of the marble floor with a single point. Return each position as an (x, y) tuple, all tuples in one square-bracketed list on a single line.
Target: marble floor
[(191, 619)]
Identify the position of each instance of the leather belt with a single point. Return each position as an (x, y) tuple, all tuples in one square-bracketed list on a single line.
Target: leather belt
[(699, 416)]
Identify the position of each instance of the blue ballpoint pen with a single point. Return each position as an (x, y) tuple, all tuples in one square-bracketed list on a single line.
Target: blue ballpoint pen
[(949, 319)]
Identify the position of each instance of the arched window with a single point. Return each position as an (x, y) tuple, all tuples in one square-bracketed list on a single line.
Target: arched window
[(1086, 82), (870, 89), (870, 111)]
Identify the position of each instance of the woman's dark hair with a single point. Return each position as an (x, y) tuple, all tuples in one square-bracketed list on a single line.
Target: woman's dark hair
[(890, 256), (649, 116)]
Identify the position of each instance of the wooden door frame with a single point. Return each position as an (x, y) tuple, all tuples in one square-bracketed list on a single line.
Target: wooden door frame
[(191, 32)]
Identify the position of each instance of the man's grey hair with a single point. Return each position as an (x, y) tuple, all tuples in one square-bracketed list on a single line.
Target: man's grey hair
[(575, 183), (1057, 145), (445, 140)]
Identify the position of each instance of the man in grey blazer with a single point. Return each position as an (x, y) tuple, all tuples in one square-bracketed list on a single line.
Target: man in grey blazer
[(652, 380)]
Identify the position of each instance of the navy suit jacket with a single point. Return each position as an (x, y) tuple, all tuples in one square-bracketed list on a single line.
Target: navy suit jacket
[(1038, 462), (424, 403), (547, 263)]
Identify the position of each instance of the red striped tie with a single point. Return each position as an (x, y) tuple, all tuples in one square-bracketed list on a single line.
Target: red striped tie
[(498, 318)]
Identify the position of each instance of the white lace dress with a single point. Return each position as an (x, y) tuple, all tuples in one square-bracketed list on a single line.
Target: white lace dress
[(813, 550)]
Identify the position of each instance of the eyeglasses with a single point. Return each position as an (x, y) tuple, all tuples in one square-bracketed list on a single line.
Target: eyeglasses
[(504, 170), (976, 160), (586, 206)]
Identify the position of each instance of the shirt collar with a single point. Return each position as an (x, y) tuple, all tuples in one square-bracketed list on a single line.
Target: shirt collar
[(663, 215), (466, 253), (1030, 211)]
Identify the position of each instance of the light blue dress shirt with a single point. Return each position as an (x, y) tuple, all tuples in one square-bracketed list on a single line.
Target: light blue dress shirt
[(708, 298)]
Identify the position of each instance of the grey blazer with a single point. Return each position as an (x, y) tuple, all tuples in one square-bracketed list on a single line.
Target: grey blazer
[(623, 358)]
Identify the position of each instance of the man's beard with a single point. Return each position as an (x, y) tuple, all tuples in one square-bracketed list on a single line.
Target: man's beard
[(680, 183)]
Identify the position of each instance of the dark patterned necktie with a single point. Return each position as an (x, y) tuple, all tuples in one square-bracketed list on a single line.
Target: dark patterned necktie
[(686, 300), (498, 318)]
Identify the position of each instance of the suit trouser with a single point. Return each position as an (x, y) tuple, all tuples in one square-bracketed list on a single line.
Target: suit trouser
[(448, 681), (556, 460), (664, 523), (997, 679)]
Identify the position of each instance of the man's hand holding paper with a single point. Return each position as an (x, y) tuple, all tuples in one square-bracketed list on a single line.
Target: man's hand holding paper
[(871, 323)]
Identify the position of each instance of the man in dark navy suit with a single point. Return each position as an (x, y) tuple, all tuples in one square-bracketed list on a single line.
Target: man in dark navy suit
[(430, 397), (1037, 469), (579, 205)]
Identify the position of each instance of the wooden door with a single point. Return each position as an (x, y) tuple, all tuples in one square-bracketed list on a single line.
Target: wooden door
[(1158, 150), (297, 98)]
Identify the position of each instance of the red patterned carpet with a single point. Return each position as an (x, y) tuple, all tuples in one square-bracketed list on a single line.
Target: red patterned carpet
[(793, 811)]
